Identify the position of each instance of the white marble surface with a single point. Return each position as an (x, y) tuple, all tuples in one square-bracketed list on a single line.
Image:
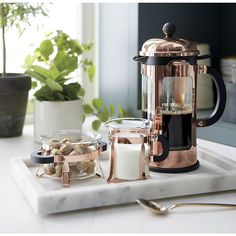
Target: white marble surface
[(46, 195), (18, 216)]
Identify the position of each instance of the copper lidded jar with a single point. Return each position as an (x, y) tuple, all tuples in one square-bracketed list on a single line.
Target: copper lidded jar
[(69, 155), (169, 85)]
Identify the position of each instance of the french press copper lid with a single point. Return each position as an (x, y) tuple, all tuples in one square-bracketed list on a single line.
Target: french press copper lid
[(169, 83), (169, 46)]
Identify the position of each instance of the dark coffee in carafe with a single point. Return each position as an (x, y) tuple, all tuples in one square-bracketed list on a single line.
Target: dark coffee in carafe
[(177, 125), (177, 128)]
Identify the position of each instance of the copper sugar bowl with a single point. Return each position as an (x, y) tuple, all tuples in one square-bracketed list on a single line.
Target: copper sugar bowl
[(169, 85)]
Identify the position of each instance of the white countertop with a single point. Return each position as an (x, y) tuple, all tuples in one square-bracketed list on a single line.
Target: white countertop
[(17, 215)]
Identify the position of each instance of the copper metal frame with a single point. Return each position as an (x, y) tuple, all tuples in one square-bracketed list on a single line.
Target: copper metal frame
[(65, 179), (175, 159), (124, 140)]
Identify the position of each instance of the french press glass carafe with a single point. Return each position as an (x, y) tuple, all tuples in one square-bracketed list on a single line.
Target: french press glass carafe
[(169, 84)]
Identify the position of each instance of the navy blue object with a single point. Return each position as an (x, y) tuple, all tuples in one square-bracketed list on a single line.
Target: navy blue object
[(36, 157)]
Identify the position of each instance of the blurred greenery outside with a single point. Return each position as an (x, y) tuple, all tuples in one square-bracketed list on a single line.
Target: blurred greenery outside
[(30, 107)]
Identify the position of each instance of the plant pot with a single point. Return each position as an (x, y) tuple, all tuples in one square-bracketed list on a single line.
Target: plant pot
[(62, 115), (13, 102)]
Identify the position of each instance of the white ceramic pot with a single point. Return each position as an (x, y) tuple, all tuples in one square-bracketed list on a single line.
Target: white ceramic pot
[(50, 116)]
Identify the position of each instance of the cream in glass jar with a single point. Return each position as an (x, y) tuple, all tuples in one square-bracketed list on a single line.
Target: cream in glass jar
[(129, 149)]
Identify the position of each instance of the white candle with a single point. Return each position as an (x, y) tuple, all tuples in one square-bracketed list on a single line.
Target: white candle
[(127, 161)]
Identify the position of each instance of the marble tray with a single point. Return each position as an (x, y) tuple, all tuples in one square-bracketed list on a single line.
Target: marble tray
[(46, 196)]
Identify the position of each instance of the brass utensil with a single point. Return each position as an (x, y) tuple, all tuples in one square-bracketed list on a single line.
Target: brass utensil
[(161, 210)]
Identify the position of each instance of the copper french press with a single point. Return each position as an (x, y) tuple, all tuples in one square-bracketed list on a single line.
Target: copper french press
[(169, 86)]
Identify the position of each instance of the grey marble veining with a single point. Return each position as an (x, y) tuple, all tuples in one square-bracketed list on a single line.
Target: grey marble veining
[(46, 195)]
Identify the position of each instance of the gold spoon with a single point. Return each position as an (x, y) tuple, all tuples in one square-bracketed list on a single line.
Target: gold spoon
[(161, 210)]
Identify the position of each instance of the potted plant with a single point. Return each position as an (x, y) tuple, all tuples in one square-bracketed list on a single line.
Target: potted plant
[(58, 104), (14, 87)]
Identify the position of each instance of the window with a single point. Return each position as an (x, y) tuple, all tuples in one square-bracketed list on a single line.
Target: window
[(78, 21)]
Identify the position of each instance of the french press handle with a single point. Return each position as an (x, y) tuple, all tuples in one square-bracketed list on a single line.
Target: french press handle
[(165, 148), (221, 96)]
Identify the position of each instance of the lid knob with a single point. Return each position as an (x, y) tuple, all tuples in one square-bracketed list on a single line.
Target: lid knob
[(169, 29)]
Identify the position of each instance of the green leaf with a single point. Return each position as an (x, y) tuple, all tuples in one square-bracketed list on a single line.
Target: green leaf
[(97, 103), (87, 46), (54, 73), (96, 124), (59, 97), (53, 85), (75, 47), (81, 92), (33, 84), (70, 91), (44, 94), (104, 115), (112, 110), (46, 48), (36, 75), (122, 112), (42, 71), (65, 62), (61, 76), (29, 61), (87, 109), (61, 38), (91, 72)]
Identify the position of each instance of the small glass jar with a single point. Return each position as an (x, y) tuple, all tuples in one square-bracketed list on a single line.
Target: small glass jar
[(70, 154), (129, 149)]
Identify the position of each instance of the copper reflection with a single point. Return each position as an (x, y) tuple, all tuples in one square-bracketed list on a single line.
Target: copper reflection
[(177, 159), (181, 69)]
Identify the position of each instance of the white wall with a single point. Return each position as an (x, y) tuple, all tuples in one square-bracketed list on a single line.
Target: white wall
[(118, 44)]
